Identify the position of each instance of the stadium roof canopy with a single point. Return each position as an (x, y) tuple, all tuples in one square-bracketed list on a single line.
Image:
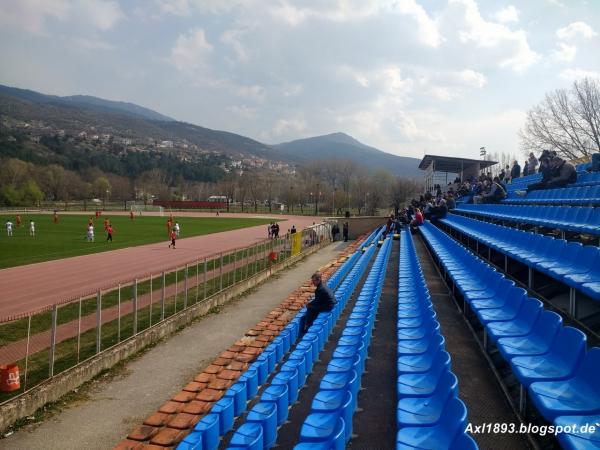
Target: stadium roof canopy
[(451, 164), (437, 169)]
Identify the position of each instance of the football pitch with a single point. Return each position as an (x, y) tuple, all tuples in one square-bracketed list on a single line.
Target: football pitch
[(68, 237)]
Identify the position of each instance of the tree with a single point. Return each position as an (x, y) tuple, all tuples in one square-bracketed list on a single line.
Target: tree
[(567, 121), (401, 190), (31, 193), (227, 187), (101, 188)]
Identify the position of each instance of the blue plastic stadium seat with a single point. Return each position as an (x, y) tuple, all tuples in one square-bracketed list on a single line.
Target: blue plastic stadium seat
[(521, 325), (577, 395), (224, 408), (438, 436), (248, 436), (579, 438), (340, 402), (324, 428), (463, 441), (423, 384), (560, 362), (277, 394), (238, 393), (425, 411), (209, 427), (265, 414)]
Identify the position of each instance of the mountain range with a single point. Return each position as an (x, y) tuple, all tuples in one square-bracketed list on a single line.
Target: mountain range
[(80, 112)]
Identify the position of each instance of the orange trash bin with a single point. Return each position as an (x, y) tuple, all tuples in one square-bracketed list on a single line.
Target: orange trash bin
[(9, 378)]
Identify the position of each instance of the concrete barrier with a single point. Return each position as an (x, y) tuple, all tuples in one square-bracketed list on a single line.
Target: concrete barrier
[(358, 226)]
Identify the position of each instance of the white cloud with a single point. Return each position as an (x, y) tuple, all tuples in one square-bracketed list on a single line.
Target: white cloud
[(289, 126), (564, 53), (234, 38), (188, 7), (576, 30), (101, 15), (428, 32), (190, 51), (33, 16), (244, 111), (255, 92), (472, 78), (343, 11), (291, 90), (91, 43), (576, 74), (508, 14), (512, 46)]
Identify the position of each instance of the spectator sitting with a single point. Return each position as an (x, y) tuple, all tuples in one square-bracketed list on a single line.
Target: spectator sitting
[(556, 173), (496, 193), (427, 210), (439, 211), (418, 220)]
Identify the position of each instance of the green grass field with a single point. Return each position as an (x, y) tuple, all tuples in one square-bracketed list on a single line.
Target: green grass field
[(68, 237)]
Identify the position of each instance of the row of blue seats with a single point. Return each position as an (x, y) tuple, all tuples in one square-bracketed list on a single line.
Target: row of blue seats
[(579, 219), (584, 195), (208, 431), (430, 414), (576, 265), (329, 423), (546, 357), (260, 429)]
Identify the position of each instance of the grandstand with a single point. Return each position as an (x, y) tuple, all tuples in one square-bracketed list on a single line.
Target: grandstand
[(394, 365)]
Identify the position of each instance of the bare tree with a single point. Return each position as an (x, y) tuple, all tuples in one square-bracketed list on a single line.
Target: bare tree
[(567, 121), (401, 190)]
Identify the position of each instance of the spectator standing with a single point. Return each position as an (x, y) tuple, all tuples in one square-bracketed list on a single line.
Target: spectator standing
[(503, 173), (515, 172), (526, 169), (270, 230), (335, 230), (532, 163), (450, 202), (345, 231), (293, 230)]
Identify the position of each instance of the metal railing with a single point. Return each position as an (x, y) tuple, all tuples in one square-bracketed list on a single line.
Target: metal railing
[(60, 336)]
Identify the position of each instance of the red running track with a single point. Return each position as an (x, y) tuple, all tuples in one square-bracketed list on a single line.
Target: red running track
[(26, 289)]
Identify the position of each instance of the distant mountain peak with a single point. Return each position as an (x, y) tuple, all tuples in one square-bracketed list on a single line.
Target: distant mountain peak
[(340, 145)]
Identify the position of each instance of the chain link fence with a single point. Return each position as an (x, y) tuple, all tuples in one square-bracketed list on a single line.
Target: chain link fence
[(48, 342)]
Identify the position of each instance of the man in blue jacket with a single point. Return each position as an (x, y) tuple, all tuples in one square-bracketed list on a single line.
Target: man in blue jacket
[(324, 301)]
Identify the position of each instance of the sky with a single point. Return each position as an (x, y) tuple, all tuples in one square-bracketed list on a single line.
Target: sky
[(410, 77)]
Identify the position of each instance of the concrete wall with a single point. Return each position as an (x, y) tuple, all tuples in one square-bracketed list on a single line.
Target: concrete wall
[(360, 225), (51, 390)]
